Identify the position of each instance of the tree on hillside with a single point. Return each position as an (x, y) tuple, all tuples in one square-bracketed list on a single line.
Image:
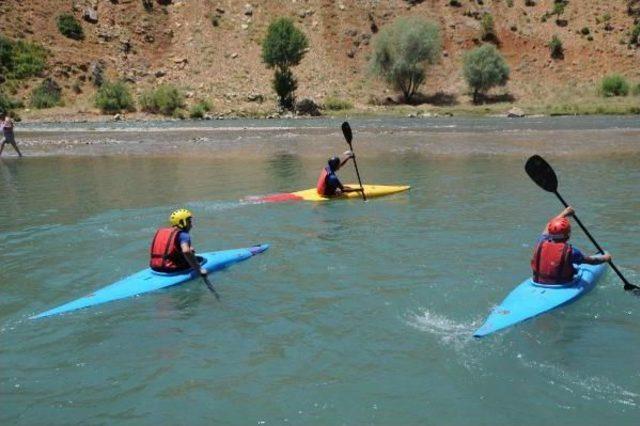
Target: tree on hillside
[(401, 52), (283, 48), (484, 68)]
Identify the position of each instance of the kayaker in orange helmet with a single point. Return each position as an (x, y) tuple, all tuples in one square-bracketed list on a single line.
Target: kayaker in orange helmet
[(553, 257), (328, 183), (171, 248)]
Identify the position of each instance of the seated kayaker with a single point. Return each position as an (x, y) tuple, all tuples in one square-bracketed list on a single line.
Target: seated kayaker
[(328, 183), (553, 257), (171, 248)]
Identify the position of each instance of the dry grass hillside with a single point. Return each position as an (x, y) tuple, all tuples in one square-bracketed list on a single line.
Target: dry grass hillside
[(177, 42)]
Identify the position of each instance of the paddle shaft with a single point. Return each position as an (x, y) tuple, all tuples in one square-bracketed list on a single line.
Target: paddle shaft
[(627, 284), (355, 163), (210, 286)]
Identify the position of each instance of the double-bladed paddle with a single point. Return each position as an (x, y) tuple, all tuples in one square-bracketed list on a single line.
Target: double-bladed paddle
[(210, 286), (348, 135), (545, 177)]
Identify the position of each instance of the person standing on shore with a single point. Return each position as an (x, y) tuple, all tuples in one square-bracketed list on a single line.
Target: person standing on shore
[(7, 132)]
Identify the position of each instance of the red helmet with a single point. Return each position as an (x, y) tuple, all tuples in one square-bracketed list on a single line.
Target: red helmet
[(559, 228)]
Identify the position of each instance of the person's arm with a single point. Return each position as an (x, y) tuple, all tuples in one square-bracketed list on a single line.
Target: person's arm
[(350, 189), (190, 257), (348, 155), (597, 259), (569, 211)]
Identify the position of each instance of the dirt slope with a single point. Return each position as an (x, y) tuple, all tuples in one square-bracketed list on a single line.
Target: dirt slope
[(178, 43)]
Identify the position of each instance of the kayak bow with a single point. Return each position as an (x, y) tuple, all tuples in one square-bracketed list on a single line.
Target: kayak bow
[(530, 299), (147, 280)]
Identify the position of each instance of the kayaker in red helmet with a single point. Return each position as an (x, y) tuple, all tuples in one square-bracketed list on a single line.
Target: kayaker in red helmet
[(328, 183), (171, 248), (553, 257)]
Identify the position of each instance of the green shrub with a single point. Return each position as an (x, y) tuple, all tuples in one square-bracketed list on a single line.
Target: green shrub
[(555, 48), (634, 39), (166, 99), (402, 50), (558, 9), (585, 31), (336, 104), (20, 59), (7, 104), (455, 3), (200, 109), (614, 85), (488, 28), (69, 26), (284, 47), (483, 68), (114, 97), (509, 3), (636, 89), (47, 95)]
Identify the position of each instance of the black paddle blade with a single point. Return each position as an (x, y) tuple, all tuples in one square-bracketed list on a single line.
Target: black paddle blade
[(346, 131), (541, 173)]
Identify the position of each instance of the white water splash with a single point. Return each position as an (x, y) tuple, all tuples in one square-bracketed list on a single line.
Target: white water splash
[(447, 330)]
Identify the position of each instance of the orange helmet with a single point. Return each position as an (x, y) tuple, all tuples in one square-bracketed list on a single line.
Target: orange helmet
[(559, 229)]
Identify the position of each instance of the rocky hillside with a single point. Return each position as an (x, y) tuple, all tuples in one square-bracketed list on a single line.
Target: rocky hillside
[(211, 48)]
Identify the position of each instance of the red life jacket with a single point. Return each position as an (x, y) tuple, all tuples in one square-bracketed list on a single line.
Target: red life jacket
[(551, 263), (321, 186), (166, 254)]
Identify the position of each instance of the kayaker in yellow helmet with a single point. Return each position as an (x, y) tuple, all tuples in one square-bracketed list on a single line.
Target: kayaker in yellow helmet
[(553, 257), (328, 183), (171, 248)]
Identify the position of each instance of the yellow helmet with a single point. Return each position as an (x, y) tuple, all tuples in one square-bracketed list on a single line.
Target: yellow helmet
[(179, 218)]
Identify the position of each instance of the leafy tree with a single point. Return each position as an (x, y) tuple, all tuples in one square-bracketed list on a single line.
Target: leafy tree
[(484, 68), (69, 26), (114, 97), (283, 48), (401, 52)]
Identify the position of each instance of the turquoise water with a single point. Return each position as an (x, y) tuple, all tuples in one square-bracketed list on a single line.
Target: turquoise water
[(360, 313)]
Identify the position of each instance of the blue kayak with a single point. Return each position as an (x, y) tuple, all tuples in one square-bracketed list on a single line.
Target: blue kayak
[(147, 280), (530, 299)]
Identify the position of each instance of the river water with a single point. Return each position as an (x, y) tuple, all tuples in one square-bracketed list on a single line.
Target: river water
[(359, 313)]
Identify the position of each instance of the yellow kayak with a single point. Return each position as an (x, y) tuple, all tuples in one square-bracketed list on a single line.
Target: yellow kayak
[(372, 191)]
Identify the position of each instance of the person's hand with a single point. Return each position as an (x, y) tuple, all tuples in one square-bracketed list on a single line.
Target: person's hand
[(203, 272), (348, 154), (569, 211), (606, 257)]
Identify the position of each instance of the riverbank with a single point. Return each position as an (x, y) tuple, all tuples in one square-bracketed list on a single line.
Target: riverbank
[(593, 105)]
